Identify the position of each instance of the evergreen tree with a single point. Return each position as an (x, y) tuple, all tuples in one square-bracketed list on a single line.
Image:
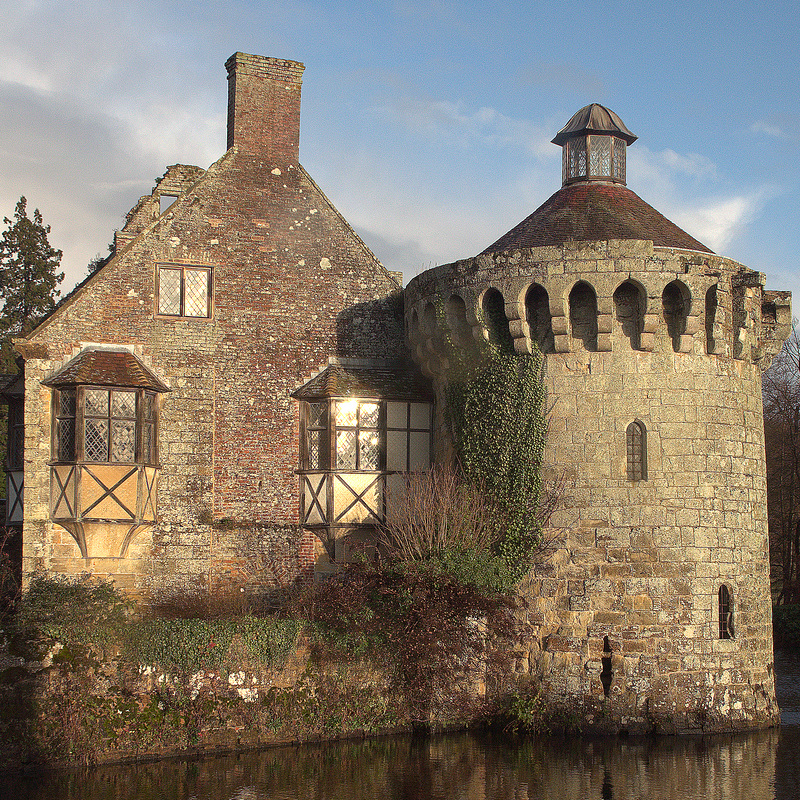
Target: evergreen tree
[(28, 277)]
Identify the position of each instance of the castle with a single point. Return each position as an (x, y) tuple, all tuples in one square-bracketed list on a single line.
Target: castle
[(229, 399)]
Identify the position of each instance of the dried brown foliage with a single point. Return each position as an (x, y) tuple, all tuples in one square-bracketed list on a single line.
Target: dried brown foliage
[(437, 511), (435, 632)]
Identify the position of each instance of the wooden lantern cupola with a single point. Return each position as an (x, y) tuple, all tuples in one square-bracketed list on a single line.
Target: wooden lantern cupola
[(594, 142)]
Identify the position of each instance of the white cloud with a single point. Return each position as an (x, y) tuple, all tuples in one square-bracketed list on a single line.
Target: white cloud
[(760, 126), (716, 222), (453, 123)]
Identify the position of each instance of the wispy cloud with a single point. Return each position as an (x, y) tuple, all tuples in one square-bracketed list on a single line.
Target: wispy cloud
[(718, 221), (454, 122), (760, 126)]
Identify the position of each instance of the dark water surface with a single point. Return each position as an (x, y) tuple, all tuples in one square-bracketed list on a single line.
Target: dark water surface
[(758, 766)]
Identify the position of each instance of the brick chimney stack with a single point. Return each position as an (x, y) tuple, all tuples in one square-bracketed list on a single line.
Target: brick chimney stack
[(264, 106)]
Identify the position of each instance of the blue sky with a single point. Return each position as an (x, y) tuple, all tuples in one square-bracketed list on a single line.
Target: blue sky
[(427, 123)]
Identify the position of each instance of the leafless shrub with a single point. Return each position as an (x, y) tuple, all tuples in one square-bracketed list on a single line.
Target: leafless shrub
[(435, 512)]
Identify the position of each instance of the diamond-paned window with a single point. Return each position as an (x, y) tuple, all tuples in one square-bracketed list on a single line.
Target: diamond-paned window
[(346, 413), (368, 415), (184, 291), (65, 433), (123, 441), (95, 443), (169, 291), (346, 451), (369, 445), (65, 425), (95, 402), (196, 293), (103, 425), (600, 155), (619, 159)]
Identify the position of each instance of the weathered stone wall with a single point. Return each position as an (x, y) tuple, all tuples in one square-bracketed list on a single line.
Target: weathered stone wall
[(638, 562), (292, 285)]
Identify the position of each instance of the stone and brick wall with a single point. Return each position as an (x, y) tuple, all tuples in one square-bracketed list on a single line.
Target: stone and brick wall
[(292, 285)]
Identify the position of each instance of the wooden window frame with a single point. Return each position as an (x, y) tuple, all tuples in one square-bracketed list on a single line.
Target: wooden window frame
[(79, 452), (184, 268)]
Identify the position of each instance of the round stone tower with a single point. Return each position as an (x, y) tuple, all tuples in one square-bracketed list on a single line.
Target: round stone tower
[(653, 609)]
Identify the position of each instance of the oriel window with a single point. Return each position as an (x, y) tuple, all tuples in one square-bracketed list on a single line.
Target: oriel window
[(102, 425)]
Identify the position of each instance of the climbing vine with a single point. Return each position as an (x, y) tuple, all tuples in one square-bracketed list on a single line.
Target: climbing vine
[(496, 402)]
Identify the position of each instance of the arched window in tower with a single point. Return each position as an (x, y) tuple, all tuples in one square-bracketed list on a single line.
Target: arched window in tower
[(636, 447), (676, 302), (583, 315), (629, 310), (725, 613), (495, 320), (537, 308), (711, 316), (455, 312)]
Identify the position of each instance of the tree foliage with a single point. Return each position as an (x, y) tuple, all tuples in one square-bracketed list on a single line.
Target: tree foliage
[(781, 392), (28, 272)]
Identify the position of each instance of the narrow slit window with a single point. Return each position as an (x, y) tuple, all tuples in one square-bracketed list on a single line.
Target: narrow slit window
[(725, 613), (636, 445)]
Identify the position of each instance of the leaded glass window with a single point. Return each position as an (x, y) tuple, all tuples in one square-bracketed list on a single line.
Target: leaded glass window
[(65, 425), (16, 434), (618, 167), (316, 434), (600, 155), (110, 425), (101, 424), (358, 440), (367, 435), (184, 291), (636, 447)]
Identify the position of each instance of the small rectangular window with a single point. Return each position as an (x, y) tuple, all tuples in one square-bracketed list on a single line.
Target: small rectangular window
[(184, 291)]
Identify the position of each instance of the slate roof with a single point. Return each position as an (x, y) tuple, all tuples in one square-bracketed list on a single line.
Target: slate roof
[(389, 383), (106, 368), (595, 212)]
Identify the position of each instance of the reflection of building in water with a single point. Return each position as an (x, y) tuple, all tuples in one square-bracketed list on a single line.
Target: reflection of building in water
[(654, 348), (734, 768)]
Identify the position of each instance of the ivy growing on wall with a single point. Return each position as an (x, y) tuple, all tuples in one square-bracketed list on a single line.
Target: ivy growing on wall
[(496, 402)]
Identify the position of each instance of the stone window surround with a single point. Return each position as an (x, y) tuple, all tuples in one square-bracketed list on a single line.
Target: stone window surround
[(636, 451), (725, 612)]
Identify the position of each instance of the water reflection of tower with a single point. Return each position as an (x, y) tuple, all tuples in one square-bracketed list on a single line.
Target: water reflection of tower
[(653, 347)]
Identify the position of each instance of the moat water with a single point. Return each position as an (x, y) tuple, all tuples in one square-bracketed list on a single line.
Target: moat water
[(757, 766)]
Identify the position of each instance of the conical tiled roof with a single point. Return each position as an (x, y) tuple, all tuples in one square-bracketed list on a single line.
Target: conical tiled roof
[(594, 207), (595, 212)]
